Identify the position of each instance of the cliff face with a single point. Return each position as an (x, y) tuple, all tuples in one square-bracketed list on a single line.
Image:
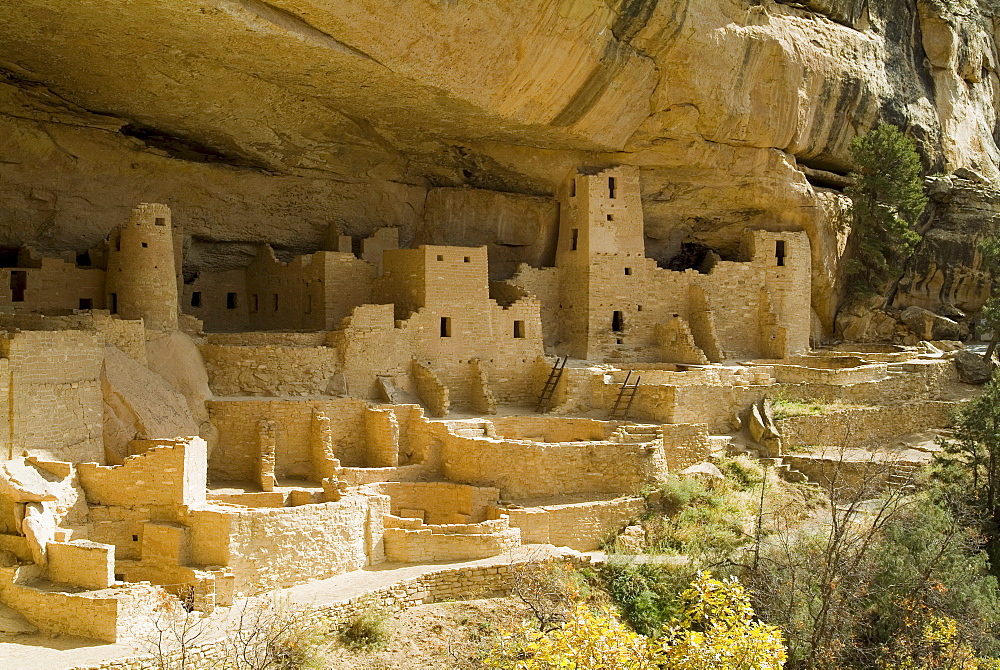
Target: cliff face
[(269, 121)]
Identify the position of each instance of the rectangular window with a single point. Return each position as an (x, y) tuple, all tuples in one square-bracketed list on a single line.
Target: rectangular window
[(275, 302), (254, 303), (113, 303), (118, 243), (83, 259), (145, 245), (519, 330), (572, 188), (574, 239), (160, 222), (196, 299), (617, 322), (445, 326), (86, 303), (779, 252), (230, 301), (611, 217), (611, 187), (628, 271), (468, 259), (440, 257), (18, 285)]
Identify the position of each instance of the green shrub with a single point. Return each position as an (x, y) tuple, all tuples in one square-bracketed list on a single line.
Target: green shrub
[(648, 594), (365, 631), (744, 472), (676, 493)]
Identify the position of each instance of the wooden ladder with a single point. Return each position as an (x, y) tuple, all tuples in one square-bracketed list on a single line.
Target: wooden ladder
[(626, 394), (545, 397)]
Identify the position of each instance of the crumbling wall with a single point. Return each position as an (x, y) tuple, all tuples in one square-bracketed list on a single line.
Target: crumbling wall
[(439, 502), (234, 456)]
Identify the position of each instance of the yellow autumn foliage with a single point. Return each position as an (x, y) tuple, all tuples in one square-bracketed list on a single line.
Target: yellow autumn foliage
[(717, 630)]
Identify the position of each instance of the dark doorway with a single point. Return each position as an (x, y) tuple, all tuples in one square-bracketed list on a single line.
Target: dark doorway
[(86, 303), (779, 252), (18, 284), (617, 322)]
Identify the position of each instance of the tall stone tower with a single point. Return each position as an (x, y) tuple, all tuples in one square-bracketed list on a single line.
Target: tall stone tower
[(141, 280), (600, 242)]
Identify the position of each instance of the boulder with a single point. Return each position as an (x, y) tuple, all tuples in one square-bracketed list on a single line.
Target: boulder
[(927, 325), (139, 404), (973, 368), (707, 470)]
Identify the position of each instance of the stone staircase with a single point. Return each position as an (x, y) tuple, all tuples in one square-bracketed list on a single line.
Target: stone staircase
[(472, 428), (783, 469), (637, 433)]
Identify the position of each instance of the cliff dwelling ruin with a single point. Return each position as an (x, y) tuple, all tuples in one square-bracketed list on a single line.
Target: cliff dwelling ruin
[(233, 432)]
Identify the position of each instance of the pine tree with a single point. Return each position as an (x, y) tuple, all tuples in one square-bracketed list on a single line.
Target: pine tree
[(888, 200), (990, 249), (970, 463)]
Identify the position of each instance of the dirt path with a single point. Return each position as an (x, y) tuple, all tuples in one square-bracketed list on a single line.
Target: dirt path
[(62, 652)]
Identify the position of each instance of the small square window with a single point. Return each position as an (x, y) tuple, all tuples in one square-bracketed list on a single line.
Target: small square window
[(611, 217), (519, 330), (638, 308), (628, 271), (144, 245), (468, 259), (86, 303), (440, 257), (160, 221), (230, 301), (135, 538)]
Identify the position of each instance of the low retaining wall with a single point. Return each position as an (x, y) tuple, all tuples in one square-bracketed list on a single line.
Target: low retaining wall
[(864, 426), (447, 584), (410, 541), (582, 526)]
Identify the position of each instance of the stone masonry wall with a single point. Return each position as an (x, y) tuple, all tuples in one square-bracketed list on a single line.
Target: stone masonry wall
[(583, 526), (234, 459), (521, 469), (54, 405), (864, 426), (267, 548)]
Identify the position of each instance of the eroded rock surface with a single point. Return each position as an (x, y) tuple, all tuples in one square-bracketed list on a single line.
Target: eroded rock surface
[(268, 121)]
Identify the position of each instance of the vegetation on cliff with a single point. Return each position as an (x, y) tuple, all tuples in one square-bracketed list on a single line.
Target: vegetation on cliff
[(888, 198)]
